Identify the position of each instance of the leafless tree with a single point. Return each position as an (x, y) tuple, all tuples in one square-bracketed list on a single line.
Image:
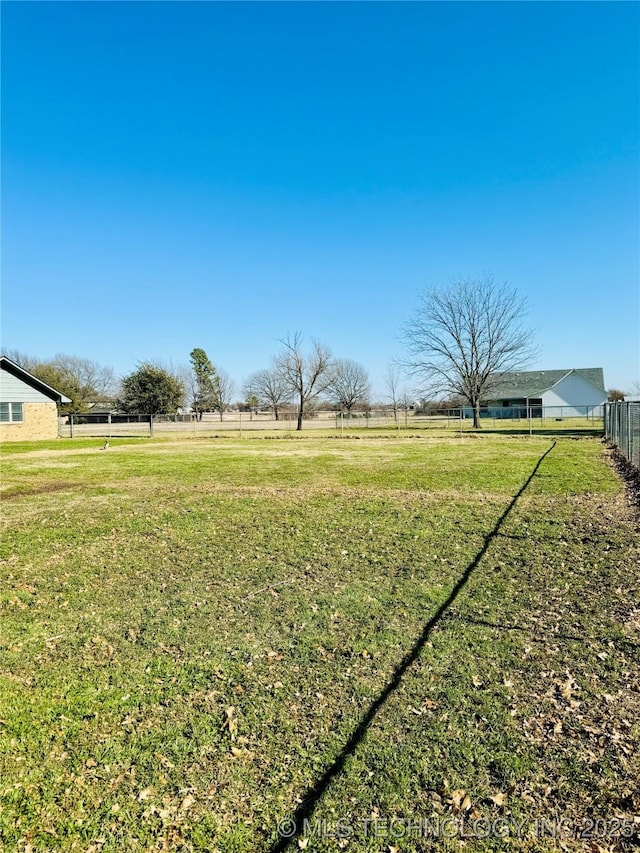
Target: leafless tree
[(92, 380), (270, 389), (224, 390), (349, 384), (634, 391), (393, 378), (304, 375), (463, 337), (95, 381), (28, 362), (82, 380)]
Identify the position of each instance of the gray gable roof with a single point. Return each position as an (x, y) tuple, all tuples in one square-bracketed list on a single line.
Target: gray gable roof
[(533, 383)]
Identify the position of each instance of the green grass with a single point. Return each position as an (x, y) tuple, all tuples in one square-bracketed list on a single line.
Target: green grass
[(192, 631)]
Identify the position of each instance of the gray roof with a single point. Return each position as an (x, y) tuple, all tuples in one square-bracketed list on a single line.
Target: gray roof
[(533, 383)]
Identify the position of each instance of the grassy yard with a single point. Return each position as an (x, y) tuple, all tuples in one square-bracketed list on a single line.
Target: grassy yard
[(367, 643)]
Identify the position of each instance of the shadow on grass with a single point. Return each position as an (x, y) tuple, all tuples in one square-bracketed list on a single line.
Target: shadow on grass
[(530, 631), (291, 828), (560, 432)]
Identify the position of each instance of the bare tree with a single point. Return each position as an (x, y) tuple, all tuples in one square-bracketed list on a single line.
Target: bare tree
[(270, 389), (82, 380), (406, 402), (392, 379), (349, 384), (224, 390), (462, 338), (304, 375), (634, 391), (28, 362), (95, 381)]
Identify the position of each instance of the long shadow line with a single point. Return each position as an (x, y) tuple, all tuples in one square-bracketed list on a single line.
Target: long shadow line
[(548, 637), (295, 824)]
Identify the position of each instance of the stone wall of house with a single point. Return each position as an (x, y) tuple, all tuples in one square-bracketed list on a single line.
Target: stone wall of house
[(40, 422)]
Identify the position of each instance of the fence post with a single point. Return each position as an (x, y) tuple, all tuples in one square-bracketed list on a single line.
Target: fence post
[(70, 426), (150, 424)]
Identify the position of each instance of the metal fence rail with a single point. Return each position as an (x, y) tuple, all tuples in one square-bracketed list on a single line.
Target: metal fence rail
[(587, 418), (622, 428)]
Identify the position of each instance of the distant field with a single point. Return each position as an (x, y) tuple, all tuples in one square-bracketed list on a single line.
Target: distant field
[(204, 639)]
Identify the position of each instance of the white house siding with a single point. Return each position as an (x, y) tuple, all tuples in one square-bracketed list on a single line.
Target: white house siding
[(14, 390), (573, 396)]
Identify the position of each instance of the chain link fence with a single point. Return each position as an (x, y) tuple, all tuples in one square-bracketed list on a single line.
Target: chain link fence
[(622, 428), (586, 419)]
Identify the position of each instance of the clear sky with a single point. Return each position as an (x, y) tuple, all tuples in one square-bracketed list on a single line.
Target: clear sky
[(219, 174)]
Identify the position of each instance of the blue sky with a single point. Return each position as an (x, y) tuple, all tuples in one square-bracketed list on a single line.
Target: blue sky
[(219, 174)]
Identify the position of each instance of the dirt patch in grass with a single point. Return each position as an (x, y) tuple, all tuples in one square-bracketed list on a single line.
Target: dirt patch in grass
[(45, 488)]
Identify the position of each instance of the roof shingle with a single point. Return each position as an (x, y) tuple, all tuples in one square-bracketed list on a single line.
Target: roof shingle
[(533, 383)]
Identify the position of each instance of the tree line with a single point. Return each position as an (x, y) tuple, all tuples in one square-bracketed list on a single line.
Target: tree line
[(298, 376), (460, 340)]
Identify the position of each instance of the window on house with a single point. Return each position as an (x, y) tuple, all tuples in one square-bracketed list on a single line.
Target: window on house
[(11, 413)]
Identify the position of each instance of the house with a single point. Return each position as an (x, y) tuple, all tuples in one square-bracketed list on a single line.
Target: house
[(28, 406), (552, 393)]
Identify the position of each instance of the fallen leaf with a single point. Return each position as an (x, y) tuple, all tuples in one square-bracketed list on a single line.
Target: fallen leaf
[(164, 761), (459, 798), (231, 721), (567, 688), (187, 802)]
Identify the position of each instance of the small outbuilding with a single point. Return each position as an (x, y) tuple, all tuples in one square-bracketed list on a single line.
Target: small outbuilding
[(28, 406), (556, 393)]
